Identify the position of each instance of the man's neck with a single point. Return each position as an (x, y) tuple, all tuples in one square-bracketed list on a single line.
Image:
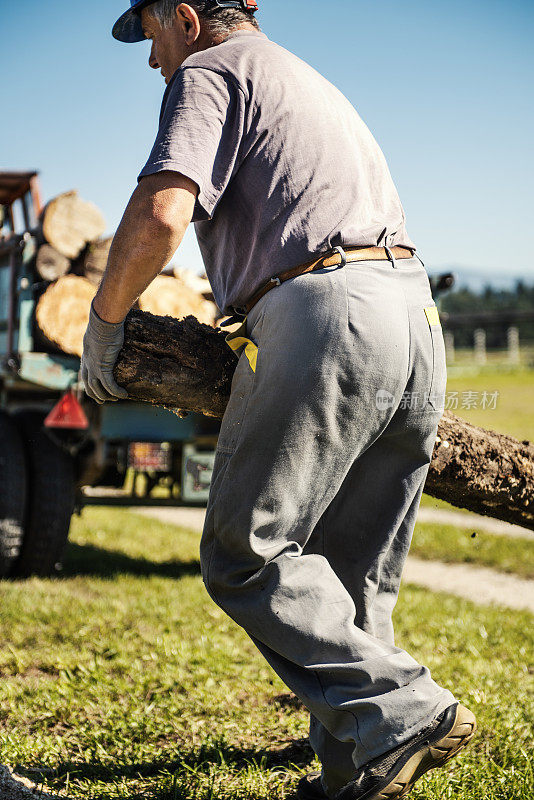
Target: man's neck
[(244, 26)]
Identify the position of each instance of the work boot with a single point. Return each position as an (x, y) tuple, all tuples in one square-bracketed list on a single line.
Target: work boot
[(392, 775), (311, 788)]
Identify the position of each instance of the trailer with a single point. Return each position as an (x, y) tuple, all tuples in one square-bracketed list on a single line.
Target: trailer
[(60, 450)]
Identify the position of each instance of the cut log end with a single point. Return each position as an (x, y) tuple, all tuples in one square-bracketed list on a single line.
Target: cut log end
[(170, 296), (68, 223), (50, 264), (62, 313)]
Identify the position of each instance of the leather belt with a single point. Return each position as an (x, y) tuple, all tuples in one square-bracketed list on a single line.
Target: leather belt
[(330, 259)]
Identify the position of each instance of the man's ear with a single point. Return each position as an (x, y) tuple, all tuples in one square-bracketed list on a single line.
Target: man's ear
[(189, 22)]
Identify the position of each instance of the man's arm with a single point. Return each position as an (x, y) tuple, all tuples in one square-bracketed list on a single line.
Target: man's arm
[(151, 229)]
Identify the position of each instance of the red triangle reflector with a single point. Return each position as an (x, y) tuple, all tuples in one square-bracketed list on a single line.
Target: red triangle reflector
[(68, 413)]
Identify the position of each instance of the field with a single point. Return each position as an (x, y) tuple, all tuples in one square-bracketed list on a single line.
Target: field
[(121, 679), (514, 406), (495, 358), (451, 544)]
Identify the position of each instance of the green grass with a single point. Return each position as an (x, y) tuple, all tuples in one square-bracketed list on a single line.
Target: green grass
[(433, 502), (448, 543), (123, 680), (513, 413)]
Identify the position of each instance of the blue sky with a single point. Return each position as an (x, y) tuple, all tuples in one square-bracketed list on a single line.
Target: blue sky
[(445, 87)]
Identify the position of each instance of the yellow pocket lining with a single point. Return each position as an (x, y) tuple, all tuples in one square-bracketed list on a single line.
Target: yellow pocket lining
[(251, 349), (432, 315), (236, 340)]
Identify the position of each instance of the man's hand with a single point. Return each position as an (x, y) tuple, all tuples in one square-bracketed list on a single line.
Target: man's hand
[(101, 346)]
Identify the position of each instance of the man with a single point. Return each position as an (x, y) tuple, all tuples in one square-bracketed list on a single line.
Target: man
[(328, 435)]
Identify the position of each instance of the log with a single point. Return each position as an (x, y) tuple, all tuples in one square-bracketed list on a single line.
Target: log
[(94, 260), (180, 364), (169, 296), (483, 471), (62, 313), (188, 366), (68, 223), (50, 264)]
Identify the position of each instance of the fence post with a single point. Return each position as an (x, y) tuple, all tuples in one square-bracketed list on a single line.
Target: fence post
[(480, 346), (513, 345), (448, 337)]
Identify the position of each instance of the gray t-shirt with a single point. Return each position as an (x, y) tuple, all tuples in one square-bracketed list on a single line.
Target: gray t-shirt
[(285, 166)]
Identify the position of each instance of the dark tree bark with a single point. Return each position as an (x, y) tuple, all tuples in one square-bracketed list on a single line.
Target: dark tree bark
[(483, 471), (188, 366), (180, 364)]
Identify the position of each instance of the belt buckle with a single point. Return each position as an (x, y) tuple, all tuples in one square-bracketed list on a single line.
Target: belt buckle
[(342, 255)]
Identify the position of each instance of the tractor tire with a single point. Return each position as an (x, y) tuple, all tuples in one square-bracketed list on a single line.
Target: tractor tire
[(50, 499), (13, 493)]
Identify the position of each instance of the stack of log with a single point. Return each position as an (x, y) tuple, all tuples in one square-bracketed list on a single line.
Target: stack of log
[(69, 264)]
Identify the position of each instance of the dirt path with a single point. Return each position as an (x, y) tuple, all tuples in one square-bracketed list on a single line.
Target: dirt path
[(478, 584), (194, 518), (474, 522)]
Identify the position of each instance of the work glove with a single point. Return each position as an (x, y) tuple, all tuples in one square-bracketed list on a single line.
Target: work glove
[(101, 346)]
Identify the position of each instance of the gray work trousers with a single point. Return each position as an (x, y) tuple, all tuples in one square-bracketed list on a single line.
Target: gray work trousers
[(319, 470)]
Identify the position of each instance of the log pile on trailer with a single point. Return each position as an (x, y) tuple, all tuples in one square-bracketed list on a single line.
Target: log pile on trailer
[(55, 441), (70, 262)]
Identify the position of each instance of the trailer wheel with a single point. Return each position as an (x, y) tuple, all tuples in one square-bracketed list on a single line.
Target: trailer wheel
[(50, 499), (13, 493)]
